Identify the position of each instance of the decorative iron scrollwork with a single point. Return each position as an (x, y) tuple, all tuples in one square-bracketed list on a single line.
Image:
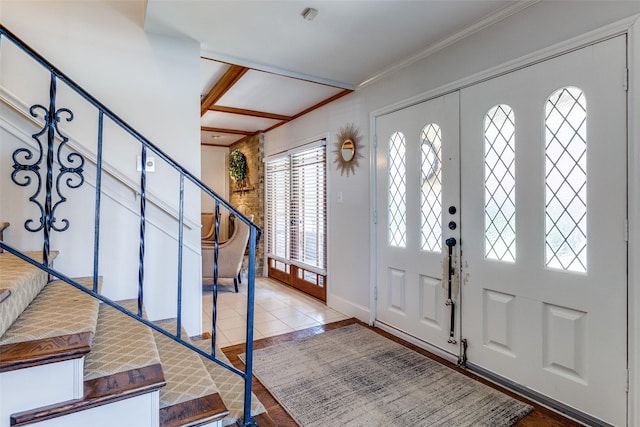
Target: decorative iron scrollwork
[(26, 169)]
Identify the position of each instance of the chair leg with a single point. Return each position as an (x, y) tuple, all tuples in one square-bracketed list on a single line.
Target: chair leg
[(239, 278), (235, 284)]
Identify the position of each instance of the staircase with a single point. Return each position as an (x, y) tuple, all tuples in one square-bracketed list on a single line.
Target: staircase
[(70, 355)]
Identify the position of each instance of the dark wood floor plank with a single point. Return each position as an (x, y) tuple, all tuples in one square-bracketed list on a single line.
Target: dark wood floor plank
[(539, 417)]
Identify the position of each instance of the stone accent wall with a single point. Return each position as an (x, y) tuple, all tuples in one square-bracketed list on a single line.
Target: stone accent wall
[(249, 199)]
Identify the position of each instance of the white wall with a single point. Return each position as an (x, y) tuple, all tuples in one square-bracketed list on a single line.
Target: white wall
[(150, 81), (215, 174), (539, 26)]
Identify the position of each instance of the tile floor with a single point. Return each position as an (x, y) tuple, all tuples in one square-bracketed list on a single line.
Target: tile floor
[(278, 309)]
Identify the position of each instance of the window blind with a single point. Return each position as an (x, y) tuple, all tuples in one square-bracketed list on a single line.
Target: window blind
[(308, 207), (296, 208), (278, 177)]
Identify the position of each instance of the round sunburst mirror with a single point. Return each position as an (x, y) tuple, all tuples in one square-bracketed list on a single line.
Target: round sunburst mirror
[(347, 149)]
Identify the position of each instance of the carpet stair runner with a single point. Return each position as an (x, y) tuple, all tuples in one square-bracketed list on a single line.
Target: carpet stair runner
[(79, 362)]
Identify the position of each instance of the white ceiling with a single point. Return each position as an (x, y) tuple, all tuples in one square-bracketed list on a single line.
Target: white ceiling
[(295, 64)]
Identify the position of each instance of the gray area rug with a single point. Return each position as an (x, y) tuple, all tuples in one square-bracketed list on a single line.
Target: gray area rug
[(352, 376)]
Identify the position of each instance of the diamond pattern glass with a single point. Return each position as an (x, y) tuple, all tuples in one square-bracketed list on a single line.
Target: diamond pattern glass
[(397, 215), (566, 180), (499, 184), (431, 188)]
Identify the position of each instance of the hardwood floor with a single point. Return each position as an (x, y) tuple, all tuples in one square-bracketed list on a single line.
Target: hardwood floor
[(539, 417)]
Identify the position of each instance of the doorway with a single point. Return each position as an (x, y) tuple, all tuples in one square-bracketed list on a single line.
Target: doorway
[(536, 201)]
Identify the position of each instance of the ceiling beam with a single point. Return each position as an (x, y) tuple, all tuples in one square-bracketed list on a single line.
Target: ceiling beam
[(252, 113), (233, 74), (231, 131)]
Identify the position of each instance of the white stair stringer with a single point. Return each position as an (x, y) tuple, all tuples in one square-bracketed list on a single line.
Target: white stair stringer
[(39, 386), (138, 411)]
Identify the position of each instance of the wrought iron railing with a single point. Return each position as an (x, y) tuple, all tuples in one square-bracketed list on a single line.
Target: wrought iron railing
[(37, 170)]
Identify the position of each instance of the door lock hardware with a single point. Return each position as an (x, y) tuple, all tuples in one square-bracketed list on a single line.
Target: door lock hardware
[(451, 242)]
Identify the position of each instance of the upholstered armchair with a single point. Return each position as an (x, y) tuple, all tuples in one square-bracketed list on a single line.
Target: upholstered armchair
[(230, 253)]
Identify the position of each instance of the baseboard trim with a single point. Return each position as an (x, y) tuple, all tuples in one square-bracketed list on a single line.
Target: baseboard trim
[(348, 308)]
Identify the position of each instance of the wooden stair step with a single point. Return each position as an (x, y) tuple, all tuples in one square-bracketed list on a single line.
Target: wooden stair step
[(123, 363), (231, 386), (58, 325), (23, 282), (97, 392), (191, 397)]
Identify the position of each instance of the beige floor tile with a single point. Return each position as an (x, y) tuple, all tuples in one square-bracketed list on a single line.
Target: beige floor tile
[(273, 327), (278, 309), (300, 322)]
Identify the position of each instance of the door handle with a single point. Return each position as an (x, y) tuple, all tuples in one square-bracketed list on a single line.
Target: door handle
[(451, 242)]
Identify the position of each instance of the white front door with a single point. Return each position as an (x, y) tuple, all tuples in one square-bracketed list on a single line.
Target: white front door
[(418, 186), (544, 252)]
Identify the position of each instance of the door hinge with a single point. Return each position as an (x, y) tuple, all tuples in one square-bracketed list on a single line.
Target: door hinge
[(375, 141), (626, 230), (375, 293), (627, 381), (625, 79), (375, 217)]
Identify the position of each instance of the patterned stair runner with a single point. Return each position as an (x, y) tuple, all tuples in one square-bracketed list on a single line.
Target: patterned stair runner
[(20, 282), (231, 386), (123, 363), (59, 312), (190, 395)]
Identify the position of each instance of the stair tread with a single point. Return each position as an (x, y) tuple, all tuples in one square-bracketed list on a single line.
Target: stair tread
[(120, 344), (58, 310), (231, 386), (24, 281), (187, 378)]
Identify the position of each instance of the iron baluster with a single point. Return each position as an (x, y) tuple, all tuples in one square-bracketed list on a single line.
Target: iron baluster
[(451, 242), (73, 164), (51, 116), (214, 312), (96, 231), (180, 242), (249, 342), (143, 204)]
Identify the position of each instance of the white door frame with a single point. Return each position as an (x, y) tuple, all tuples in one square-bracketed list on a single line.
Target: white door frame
[(631, 27)]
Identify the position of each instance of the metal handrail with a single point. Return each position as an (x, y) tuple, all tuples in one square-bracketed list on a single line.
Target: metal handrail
[(73, 164)]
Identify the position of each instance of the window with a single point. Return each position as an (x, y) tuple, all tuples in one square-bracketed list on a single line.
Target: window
[(278, 203), (499, 184), (566, 180), (397, 215), (296, 219), (431, 188)]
